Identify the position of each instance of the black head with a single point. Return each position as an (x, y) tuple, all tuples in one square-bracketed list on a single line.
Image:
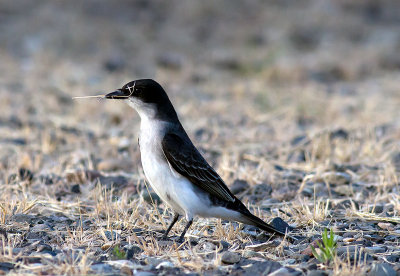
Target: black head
[(145, 90), (144, 94)]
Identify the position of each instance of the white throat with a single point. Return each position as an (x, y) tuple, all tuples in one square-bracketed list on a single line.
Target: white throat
[(146, 111)]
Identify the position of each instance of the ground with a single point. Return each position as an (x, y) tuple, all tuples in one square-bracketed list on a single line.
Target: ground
[(294, 103)]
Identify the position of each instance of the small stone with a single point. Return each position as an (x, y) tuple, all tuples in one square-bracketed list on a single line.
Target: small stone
[(145, 273), (225, 245), (300, 140), (382, 270), (308, 251), (124, 264), (386, 226), (298, 156), (81, 176), (101, 268), (375, 250), (348, 240), (251, 254), (5, 266), (288, 262), (25, 174), (50, 179), (111, 235), (346, 204), (170, 60), (281, 225), (285, 271), (229, 257), (316, 273), (395, 158), (263, 246), (40, 228), (117, 181), (239, 186), (107, 245), (337, 178), (109, 165), (43, 248), (376, 208), (261, 268), (345, 249), (164, 265), (114, 63), (339, 134), (76, 189), (132, 250), (393, 258), (23, 218), (150, 197), (153, 261)]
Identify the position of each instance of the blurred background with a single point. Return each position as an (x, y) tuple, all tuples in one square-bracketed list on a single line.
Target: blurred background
[(255, 72), (295, 103)]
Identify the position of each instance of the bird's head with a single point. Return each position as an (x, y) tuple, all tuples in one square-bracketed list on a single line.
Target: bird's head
[(146, 96)]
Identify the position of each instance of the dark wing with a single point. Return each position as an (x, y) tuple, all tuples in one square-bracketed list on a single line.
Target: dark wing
[(186, 160)]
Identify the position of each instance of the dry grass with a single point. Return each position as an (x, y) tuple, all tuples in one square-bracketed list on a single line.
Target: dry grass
[(263, 110)]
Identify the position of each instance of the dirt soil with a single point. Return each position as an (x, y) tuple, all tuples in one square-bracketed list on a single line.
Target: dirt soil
[(294, 103)]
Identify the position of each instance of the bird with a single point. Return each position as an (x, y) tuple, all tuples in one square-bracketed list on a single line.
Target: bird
[(174, 167)]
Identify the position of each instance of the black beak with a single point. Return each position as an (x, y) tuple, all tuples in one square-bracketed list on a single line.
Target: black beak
[(118, 94)]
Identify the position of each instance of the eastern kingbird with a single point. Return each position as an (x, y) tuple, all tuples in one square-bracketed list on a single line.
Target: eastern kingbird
[(173, 166)]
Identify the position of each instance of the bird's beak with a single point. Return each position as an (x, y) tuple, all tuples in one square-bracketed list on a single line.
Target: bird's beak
[(118, 94)]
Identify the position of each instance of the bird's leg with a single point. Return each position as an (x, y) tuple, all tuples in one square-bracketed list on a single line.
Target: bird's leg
[(184, 230), (174, 220)]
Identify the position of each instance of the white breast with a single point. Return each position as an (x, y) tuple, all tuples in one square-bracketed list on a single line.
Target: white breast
[(174, 189)]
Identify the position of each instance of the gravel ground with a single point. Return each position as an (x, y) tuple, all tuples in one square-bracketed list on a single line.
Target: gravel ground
[(295, 104)]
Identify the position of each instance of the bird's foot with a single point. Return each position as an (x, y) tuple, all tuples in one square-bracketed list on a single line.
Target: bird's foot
[(180, 240), (165, 237)]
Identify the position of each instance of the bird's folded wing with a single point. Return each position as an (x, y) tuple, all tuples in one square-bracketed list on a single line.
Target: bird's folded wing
[(186, 160)]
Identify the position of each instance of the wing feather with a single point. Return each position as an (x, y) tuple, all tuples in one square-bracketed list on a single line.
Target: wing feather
[(186, 160)]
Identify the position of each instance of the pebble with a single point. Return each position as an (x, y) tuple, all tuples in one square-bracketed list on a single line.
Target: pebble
[(40, 228), (145, 273), (24, 218), (261, 268), (375, 250), (164, 265), (153, 261), (281, 225), (239, 186), (225, 245), (229, 257), (382, 270), (386, 226), (111, 235), (110, 165), (124, 263), (107, 245), (101, 268), (263, 246), (150, 197), (347, 249), (316, 273), (170, 60), (5, 266), (76, 189), (132, 250), (251, 254), (285, 271), (337, 178)]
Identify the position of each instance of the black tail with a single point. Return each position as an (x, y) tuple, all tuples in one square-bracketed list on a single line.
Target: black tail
[(256, 221)]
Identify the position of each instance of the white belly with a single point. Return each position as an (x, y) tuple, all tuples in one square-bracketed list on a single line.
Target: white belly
[(174, 189)]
